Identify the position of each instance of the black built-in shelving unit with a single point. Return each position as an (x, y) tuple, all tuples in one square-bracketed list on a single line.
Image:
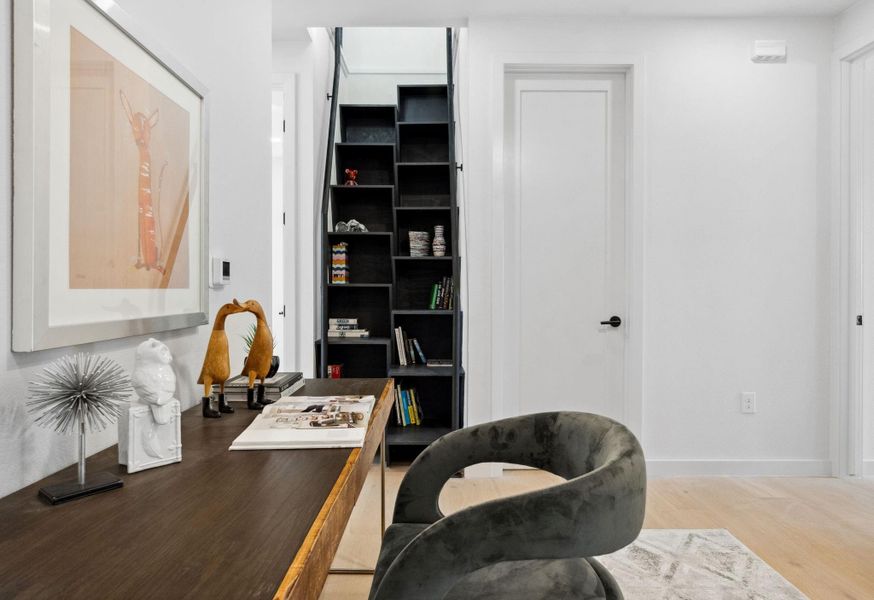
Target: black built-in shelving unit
[(405, 158)]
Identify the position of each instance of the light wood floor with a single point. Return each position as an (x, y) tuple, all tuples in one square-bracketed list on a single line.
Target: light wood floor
[(817, 532)]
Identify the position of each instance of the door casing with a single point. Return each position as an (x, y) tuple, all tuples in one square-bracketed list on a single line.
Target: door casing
[(847, 367), (633, 68)]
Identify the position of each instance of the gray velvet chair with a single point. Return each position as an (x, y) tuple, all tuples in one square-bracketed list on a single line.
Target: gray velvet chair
[(532, 546)]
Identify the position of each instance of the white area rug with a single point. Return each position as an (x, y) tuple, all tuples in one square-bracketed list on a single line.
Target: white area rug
[(695, 564)]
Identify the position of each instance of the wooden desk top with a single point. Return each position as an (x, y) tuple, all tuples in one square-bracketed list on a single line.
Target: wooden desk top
[(220, 524)]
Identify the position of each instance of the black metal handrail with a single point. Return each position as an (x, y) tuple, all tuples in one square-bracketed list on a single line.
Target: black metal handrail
[(456, 259), (326, 191)]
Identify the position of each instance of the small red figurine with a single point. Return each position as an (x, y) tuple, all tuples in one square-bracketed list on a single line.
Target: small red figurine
[(351, 177)]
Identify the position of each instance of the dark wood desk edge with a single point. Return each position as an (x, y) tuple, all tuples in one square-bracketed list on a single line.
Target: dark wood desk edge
[(308, 571)]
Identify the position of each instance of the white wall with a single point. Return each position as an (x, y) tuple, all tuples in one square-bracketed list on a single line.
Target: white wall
[(226, 45), (737, 234), (855, 23), (395, 49)]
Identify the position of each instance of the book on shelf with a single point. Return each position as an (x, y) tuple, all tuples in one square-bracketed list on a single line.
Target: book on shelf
[(308, 422), (339, 263), (442, 294), (399, 342), (411, 356), (409, 349), (346, 327), (348, 333), (408, 409), (348, 322), (335, 371), (419, 352), (439, 362)]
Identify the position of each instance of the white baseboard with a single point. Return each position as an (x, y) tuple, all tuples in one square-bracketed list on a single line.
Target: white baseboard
[(669, 467), (868, 468)]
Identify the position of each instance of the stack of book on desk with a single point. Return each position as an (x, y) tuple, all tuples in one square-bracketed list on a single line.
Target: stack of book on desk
[(276, 387), (301, 422)]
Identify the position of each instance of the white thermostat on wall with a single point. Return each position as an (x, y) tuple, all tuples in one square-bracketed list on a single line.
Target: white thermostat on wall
[(769, 51), (221, 272)]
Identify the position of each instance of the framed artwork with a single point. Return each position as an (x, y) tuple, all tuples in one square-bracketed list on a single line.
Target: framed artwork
[(110, 180)]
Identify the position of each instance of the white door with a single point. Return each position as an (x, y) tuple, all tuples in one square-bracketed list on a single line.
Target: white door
[(862, 200), (277, 142), (564, 250)]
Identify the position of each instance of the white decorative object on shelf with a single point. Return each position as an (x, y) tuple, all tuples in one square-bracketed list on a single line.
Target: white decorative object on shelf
[(149, 429), (439, 244)]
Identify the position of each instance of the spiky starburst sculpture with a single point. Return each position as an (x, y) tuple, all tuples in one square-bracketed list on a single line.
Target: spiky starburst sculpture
[(82, 389)]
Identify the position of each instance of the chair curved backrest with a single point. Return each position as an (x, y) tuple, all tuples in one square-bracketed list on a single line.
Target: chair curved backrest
[(598, 510)]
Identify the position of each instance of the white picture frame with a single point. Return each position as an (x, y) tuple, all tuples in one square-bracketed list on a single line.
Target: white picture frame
[(134, 296)]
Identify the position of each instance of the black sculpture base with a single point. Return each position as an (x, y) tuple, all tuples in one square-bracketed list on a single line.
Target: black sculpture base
[(71, 490)]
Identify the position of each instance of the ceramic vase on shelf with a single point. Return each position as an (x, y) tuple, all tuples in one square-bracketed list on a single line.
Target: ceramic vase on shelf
[(420, 243), (439, 244)]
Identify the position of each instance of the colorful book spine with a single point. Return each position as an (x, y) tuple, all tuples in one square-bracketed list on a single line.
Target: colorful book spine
[(417, 407), (339, 263)]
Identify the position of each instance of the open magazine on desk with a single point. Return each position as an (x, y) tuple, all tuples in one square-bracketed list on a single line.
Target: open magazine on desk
[(298, 422)]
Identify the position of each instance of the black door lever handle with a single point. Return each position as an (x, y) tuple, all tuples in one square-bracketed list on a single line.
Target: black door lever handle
[(613, 322)]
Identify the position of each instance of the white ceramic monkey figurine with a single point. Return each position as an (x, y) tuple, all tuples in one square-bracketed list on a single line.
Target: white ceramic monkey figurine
[(153, 379)]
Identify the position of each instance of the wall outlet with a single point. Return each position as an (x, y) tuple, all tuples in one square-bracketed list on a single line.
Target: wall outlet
[(748, 402)]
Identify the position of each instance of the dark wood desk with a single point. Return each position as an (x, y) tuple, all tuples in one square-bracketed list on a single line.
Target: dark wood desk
[(220, 524)]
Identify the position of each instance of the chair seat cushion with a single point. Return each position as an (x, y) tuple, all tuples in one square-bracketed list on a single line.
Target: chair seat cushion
[(559, 579), (396, 538)]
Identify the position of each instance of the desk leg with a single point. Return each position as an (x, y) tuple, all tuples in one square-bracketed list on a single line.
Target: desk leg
[(381, 513), (382, 487)]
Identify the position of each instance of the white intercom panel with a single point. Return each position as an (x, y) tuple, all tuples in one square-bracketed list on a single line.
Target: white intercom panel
[(221, 272)]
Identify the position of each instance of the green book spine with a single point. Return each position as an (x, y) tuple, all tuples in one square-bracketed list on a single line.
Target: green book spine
[(433, 303)]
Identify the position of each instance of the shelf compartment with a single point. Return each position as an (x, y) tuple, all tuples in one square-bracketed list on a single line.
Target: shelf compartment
[(414, 435), (368, 123), (424, 142), (423, 258), (368, 303), (358, 360), (372, 341), (415, 209), (434, 333), (423, 185), (419, 371), (414, 280), (422, 103), (374, 162), (367, 256), (435, 396), (369, 205)]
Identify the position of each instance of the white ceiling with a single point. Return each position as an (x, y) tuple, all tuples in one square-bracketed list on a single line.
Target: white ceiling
[(290, 16)]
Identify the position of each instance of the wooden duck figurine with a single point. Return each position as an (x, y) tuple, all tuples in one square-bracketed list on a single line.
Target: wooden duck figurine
[(217, 363), (260, 355)]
